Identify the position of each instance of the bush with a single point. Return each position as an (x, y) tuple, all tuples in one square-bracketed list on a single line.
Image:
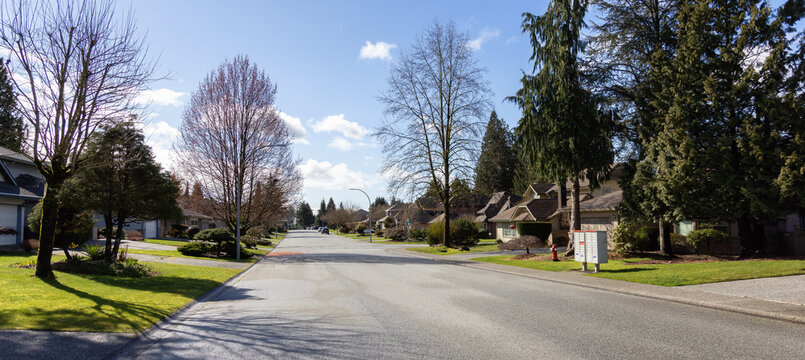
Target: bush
[(380, 233), (177, 231), (417, 234), (706, 240), (389, 223), (679, 244), (463, 232), (627, 239), (399, 233), (249, 241), (217, 235), (343, 229), (360, 229), (192, 231), (135, 235), (196, 248), (522, 242), (128, 268), (230, 248), (258, 232), (95, 252), (264, 242), (442, 249)]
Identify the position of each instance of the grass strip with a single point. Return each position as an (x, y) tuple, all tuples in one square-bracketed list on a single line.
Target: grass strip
[(668, 274), (451, 251), (98, 303), (262, 250)]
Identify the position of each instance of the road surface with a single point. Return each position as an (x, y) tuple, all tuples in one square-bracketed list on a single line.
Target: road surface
[(332, 297)]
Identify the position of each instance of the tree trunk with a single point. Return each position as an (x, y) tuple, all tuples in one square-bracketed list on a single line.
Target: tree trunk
[(47, 229), (108, 219), (67, 253), (121, 220), (575, 214), (753, 237), (665, 246)]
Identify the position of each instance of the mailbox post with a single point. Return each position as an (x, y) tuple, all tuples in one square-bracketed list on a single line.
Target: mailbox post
[(591, 247)]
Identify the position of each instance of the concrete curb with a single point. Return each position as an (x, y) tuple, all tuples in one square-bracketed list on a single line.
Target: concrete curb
[(748, 306), (167, 321)]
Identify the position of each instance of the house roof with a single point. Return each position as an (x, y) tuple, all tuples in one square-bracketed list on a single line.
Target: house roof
[(532, 210), (26, 185), (192, 213), (541, 188), (542, 208), (500, 200), (602, 203)]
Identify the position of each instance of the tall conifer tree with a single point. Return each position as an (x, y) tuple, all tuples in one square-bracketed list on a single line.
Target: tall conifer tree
[(12, 132), (496, 164)]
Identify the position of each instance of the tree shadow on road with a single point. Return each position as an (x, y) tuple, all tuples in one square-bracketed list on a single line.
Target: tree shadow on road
[(349, 258), (261, 336)]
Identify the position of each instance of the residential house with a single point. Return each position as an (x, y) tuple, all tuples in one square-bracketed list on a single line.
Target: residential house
[(393, 212), (21, 187), (498, 202)]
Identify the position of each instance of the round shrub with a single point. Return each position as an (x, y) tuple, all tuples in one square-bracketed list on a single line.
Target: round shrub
[(417, 234), (680, 245), (218, 235), (706, 239), (196, 248), (380, 233), (389, 223), (399, 233), (463, 232), (230, 248), (192, 231), (250, 242), (264, 242), (360, 229)]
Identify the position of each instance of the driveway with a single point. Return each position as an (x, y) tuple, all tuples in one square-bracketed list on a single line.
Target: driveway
[(322, 296), (784, 289)]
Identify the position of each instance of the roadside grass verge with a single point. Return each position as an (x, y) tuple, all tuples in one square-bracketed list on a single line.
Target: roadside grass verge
[(668, 274), (98, 303), (167, 242), (378, 239), (450, 251), (261, 250)]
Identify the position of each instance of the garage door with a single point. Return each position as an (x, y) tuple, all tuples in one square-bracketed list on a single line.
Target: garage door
[(8, 218)]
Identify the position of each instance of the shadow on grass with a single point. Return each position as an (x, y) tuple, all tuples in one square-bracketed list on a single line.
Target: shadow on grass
[(114, 315)]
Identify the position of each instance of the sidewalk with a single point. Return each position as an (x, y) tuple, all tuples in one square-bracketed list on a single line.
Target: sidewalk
[(733, 300)]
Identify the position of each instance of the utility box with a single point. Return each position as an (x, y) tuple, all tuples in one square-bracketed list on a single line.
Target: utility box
[(590, 247)]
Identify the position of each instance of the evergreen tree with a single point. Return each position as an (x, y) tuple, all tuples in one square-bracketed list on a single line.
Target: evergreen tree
[(322, 212), (331, 205), (379, 201), (12, 132), (304, 215), (496, 164), (562, 133), (122, 182)]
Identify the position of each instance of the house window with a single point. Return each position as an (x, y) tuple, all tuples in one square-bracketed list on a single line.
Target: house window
[(193, 222), (508, 231), (607, 190)]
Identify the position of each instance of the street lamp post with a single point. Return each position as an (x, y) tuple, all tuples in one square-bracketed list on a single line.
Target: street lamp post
[(370, 211)]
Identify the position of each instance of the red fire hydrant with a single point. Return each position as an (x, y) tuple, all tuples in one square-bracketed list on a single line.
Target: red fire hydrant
[(553, 252)]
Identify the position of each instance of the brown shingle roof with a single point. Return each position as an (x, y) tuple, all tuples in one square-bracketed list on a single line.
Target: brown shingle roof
[(542, 209)]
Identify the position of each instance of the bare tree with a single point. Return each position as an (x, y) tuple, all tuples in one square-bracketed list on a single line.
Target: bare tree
[(435, 105), (75, 65), (235, 145)]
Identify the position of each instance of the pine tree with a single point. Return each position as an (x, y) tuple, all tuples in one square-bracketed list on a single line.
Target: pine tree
[(12, 132), (330, 205), (496, 164), (562, 133)]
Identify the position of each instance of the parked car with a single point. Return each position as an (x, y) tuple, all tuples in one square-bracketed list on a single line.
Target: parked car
[(325, 231)]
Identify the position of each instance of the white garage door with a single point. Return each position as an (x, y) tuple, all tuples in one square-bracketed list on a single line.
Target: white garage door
[(150, 229), (8, 218)]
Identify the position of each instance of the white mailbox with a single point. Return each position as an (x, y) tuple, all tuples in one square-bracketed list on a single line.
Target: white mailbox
[(590, 247)]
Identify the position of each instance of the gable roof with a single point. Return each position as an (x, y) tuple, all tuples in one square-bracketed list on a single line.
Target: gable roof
[(26, 185), (499, 201)]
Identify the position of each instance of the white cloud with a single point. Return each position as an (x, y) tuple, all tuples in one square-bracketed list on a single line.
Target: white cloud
[(485, 36), (325, 175), (512, 40), (295, 128), (160, 136), (347, 145), (163, 97), (337, 123), (379, 50)]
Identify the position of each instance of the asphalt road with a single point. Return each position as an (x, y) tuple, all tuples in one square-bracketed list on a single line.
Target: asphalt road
[(344, 299)]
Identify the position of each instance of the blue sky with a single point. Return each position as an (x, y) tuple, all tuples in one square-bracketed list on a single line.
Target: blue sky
[(312, 49)]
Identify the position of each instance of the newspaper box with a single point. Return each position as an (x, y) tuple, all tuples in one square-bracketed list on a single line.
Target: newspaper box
[(590, 247)]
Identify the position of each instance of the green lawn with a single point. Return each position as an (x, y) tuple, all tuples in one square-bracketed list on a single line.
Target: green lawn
[(262, 250), (451, 251), (377, 239), (669, 274), (74, 302), (167, 242)]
